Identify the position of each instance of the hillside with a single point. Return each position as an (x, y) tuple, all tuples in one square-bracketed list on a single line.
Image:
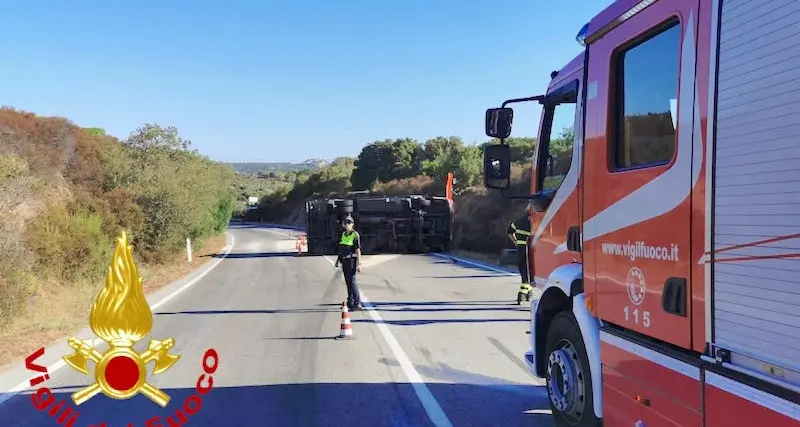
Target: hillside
[(66, 192), (255, 168)]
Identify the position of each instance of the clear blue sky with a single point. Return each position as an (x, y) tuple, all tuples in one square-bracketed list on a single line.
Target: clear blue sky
[(285, 80)]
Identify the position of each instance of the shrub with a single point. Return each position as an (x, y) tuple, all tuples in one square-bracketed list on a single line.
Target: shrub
[(12, 166), (420, 184), (14, 291), (70, 246), (222, 214), (482, 215), (163, 230)]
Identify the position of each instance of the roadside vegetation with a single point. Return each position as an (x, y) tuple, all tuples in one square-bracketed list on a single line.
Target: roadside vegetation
[(66, 192)]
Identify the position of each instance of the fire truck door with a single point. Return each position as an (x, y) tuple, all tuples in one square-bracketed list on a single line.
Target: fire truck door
[(639, 171)]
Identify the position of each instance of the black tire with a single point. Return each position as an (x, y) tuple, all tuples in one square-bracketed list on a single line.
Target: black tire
[(569, 382), (420, 203)]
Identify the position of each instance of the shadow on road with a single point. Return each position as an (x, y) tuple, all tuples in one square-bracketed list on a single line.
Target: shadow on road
[(506, 270), (237, 224), (320, 404), (254, 255), (417, 322), (474, 276), (276, 311), (440, 306), (437, 303), (243, 226), (509, 307)]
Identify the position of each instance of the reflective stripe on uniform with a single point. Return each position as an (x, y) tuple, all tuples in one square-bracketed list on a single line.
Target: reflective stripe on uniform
[(522, 242)]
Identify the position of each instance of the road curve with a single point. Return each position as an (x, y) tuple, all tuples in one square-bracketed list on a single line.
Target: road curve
[(440, 345)]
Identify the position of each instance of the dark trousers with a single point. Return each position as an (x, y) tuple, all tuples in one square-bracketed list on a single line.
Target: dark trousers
[(522, 261), (349, 270)]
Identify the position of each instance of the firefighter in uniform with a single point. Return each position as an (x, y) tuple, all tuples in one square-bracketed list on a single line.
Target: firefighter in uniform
[(350, 258), (519, 231)]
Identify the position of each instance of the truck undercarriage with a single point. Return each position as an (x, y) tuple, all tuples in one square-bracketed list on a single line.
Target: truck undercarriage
[(395, 224)]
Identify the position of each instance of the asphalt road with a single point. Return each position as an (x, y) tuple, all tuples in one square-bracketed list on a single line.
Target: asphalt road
[(441, 344)]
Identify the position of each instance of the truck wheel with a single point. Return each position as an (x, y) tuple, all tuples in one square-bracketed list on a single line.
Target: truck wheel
[(420, 203), (569, 382)]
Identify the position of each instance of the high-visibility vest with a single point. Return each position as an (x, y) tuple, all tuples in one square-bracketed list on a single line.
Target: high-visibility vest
[(348, 239), (520, 235)]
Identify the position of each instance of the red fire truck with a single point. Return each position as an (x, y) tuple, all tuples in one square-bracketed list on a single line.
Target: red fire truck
[(666, 236)]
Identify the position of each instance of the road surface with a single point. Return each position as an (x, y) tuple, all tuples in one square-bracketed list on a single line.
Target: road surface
[(440, 344)]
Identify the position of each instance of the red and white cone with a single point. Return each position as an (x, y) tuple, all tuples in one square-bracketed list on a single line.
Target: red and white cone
[(347, 328)]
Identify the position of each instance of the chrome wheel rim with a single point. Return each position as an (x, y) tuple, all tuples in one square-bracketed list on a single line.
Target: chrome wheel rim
[(566, 382)]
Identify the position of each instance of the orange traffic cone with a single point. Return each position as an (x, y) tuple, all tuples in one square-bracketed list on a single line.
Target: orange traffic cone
[(347, 329)]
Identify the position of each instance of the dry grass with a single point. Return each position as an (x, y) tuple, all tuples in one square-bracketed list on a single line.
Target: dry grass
[(420, 184), (482, 216), (57, 310)]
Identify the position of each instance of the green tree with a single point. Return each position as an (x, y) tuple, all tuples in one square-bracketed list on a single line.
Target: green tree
[(436, 149), (467, 166), (383, 161), (406, 159), (563, 143), (181, 193)]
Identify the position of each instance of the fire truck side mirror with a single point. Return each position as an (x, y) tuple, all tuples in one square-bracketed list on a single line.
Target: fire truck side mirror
[(498, 122), (497, 166)]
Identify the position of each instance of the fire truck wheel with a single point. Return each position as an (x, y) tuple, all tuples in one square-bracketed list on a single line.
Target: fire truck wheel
[(569, 383)]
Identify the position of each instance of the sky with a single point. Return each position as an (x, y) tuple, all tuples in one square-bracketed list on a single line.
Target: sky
[(285, 81)]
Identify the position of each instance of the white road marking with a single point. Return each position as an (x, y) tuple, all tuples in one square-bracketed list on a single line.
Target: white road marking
[(60, 363), (429, 403)]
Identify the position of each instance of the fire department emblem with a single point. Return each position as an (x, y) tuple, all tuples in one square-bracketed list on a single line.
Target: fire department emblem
[(636, 285), (121, 317)]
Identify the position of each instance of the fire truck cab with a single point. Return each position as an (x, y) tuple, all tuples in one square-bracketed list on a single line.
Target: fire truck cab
[(666, 243)]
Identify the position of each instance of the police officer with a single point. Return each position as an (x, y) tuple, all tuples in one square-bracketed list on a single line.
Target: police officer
[(350, 258), (519, 231)]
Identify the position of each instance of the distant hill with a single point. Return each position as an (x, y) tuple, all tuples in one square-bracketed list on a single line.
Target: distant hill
[(254, 168)]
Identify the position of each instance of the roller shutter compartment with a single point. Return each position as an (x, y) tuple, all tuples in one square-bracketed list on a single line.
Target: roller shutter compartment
[(757, 182)]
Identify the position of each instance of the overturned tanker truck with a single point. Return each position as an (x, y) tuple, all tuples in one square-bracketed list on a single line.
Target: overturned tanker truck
[(393, 224)]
